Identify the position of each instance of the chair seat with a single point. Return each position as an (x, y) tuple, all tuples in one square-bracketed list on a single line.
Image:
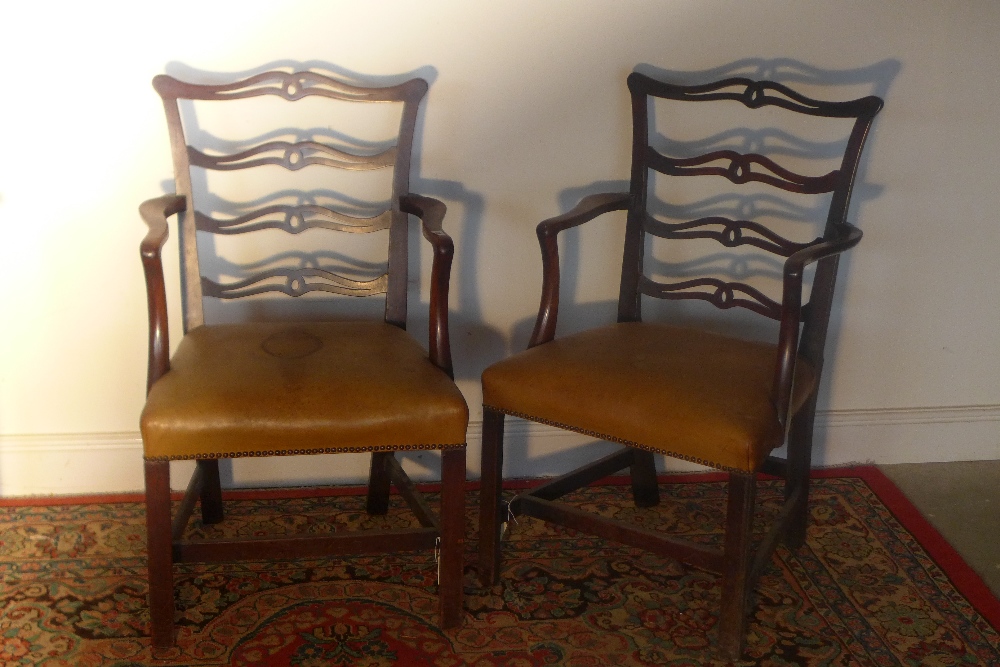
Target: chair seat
[(682, 392), (266, 389)]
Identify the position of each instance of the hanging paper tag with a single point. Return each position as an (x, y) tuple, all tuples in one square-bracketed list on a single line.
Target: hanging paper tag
[(506, 524), (437, 558)]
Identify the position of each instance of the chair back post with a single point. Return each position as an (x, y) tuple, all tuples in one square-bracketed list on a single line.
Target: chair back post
[(191, 297), (395, 301), (816, 318), (629, 300)]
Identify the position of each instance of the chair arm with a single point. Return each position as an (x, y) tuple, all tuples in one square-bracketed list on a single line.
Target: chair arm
[(154, 213), (791, 311), (431, 213), (589, 208), (817, 251)]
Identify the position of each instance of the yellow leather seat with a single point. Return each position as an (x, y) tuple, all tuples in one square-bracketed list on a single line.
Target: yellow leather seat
[(267, 389), (671, 390)]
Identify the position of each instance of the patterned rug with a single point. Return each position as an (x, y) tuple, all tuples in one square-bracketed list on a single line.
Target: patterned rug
[(874, 585)]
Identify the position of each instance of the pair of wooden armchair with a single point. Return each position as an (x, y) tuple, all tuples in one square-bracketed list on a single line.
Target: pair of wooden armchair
[(328, 387)]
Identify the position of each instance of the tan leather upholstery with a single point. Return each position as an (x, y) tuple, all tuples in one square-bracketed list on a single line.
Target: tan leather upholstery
[(266, 389), (687, 393)]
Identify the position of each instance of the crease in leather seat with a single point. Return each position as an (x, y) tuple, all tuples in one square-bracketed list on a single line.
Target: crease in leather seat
[(681, 392), (297, 387), (268, 389), (685, 392)]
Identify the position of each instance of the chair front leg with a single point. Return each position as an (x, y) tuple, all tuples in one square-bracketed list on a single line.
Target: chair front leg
[(452, 536), (736, 564), (800, 440), (159, 549), (490, 490)]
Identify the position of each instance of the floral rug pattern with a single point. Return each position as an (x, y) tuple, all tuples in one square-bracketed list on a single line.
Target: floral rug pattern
[(863, 591)]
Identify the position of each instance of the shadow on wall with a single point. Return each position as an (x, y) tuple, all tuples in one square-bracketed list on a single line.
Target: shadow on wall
[(474, 342), (794, 218)]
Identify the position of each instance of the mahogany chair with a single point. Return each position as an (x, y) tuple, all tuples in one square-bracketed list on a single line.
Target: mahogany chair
[(305, 387), (718, 400)]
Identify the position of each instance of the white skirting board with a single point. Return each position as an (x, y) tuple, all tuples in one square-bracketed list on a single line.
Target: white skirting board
[(112, 462)]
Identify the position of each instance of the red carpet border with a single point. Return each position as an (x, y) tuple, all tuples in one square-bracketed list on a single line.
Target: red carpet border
[(874, 585)]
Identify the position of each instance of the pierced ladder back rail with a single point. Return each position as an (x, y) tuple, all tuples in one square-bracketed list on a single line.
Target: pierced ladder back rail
[(293, 219)]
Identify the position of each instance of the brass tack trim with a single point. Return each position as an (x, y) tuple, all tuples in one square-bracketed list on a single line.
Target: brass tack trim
[(300, 452), (622, 441)]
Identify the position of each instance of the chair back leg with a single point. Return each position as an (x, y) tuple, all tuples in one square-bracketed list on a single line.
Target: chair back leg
[(211, 492), (159, 549), (736, 564), (379, 482), (490, 511), (643, 470)]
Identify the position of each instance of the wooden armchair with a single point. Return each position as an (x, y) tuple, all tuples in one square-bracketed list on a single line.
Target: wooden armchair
[(305, 387), (719, 400)]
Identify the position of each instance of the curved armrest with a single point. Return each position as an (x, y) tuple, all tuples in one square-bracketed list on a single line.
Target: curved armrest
[(791, 310), (154, 213), (589, 208), (799, 260), (431, 213)]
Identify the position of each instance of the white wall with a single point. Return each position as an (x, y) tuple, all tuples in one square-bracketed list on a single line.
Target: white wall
[(527, 102)]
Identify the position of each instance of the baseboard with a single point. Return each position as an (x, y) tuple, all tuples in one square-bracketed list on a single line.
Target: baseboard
[(112, 462), (908, 435)]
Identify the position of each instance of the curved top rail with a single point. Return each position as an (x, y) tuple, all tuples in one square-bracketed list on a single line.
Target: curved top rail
[(290, 86), (755, 94)]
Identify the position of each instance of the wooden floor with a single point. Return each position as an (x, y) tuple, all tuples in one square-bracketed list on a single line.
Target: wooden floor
[(961, 500)]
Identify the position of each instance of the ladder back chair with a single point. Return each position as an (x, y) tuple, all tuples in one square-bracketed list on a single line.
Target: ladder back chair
[(306, 387), (719, 400)]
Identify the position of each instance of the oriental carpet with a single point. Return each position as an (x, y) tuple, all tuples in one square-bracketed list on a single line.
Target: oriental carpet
[(874, 585)]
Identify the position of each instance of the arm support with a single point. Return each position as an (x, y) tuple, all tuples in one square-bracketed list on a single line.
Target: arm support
[(154, 213), (589, 208), (791, 311), (431, 213)]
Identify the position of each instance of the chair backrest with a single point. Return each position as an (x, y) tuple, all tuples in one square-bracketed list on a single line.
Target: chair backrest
[(739, 168), (292, 218)]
